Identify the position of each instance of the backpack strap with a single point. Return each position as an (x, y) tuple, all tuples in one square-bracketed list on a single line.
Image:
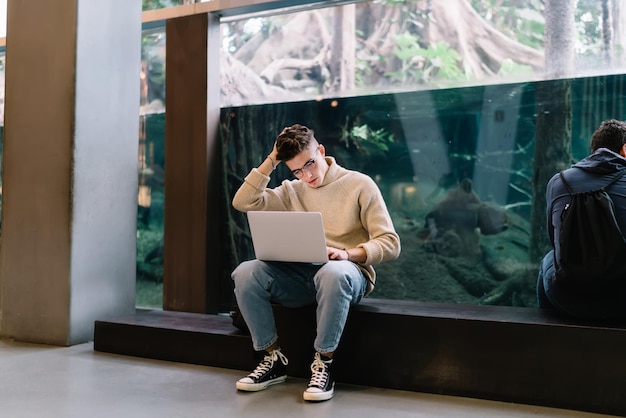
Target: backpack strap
[(569, 189), (620, 174)]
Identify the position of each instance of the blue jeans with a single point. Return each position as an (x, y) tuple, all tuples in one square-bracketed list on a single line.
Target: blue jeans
[(333, 286), (603, 303), (545, 277)]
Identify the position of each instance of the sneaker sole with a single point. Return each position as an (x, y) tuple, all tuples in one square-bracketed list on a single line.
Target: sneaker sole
[(318, 396), (255, 387)]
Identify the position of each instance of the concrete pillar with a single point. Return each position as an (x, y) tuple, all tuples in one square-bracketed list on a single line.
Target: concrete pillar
[(69, 210)]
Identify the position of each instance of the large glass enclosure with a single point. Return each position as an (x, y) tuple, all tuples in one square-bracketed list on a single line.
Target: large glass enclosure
[(447, 104), (373, 47), (455, 167), (443, 103)]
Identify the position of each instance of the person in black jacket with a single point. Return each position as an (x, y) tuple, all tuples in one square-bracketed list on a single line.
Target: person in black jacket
[(608, 157)]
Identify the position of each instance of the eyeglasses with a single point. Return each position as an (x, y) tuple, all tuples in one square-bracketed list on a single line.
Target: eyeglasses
[(308, 167)]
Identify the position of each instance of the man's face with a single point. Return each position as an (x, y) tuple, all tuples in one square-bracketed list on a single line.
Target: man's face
[(309, 166)]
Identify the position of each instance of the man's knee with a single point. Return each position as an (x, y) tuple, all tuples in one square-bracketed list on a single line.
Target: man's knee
[(244, 274), (337, 278)]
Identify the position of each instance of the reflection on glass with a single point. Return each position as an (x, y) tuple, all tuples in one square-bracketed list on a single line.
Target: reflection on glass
[(455, 167), (3, 18), (374, 47), (441, 114), (151, 165), (2, 72), (438, 102), (161, 4)]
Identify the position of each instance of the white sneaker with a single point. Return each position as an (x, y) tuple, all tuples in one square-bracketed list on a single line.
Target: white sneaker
[(270, 371), (322, 385)]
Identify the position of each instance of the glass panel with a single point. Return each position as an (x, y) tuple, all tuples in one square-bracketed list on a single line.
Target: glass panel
[(162, 4), (151, 166), (3, 18), (455, 167), (375, 47), (438, 103), (2, 78), (3, 33)]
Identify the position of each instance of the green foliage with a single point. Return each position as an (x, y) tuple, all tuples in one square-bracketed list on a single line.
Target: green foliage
[(367, 140), (444, 60), (588, 28), (236, 34), (509, 67), (153, 57), (158, 4), (522, 20), (148, 239), (395, 2), (148, 294), (407, 46), (422, 65)]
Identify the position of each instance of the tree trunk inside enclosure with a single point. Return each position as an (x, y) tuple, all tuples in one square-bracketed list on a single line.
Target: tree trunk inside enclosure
[(553, 132), (619, 32), (607, 32), (553, 136), (560, 35), (342, 50), (228, 227)]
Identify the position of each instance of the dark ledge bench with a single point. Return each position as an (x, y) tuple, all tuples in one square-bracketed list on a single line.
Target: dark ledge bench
[(520, 355)]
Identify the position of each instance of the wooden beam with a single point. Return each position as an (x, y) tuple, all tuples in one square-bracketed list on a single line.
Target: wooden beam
[(186, 165)]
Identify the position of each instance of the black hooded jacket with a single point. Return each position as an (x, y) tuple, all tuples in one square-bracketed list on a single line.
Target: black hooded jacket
[(592, 172)]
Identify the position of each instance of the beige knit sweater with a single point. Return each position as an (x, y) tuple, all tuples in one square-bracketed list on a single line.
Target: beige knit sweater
[(352, 208)]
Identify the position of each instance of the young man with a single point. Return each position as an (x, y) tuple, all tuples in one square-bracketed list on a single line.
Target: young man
[(359, 233), (608, 146)]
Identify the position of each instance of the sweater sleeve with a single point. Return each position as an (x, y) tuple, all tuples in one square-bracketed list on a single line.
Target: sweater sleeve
[(253, 194), (384, 242)]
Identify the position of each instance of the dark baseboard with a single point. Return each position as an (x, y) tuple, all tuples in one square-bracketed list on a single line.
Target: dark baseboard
[(208, 340), (508, 354)]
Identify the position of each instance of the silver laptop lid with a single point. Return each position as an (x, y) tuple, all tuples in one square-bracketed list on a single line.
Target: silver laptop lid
[(288, 236)]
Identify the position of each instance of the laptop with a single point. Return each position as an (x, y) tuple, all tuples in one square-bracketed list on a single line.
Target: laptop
[(288, 236)]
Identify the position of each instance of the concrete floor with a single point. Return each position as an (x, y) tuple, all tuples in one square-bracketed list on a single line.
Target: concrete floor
[(65, 382)]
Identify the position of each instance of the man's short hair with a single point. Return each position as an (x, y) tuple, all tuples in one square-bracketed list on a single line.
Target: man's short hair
[(610, 134), (293, 140)]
